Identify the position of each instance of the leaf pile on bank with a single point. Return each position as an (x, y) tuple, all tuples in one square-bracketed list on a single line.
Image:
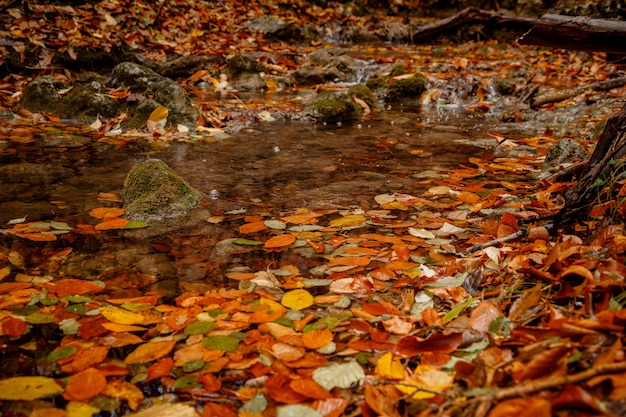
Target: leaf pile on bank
[(392, 316)]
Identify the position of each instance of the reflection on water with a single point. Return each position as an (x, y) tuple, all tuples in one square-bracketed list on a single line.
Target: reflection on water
[(272, 168)]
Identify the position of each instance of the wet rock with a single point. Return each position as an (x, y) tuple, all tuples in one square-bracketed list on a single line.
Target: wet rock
[(333, 106), (329, 65), (249, 82), (183, 66), (241, 64), (566, 150), (42, 94), (406, 88), (165, 91), (504, 87), (362, 92), (33, 174), (153, 193), (310, 75), (277, 28), (86, 101)]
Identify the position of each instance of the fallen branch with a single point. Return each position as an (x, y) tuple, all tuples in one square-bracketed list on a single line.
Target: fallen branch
[(573, 92), (577, 33), (487, 400), (513, 236), (468, 15)]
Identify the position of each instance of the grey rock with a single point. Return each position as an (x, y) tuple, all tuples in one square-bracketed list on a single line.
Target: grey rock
[(154, 193), (566, 150), (333, 106)]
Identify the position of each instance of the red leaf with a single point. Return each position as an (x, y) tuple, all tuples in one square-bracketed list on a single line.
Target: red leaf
[(13, 327), (159, 369), (442, 343)]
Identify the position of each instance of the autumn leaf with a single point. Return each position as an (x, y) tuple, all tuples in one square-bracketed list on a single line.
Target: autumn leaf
[(150, 351), (389, 367), (279, 241), (112, 224), (316, 339), (28, 388), (297, 299), (85, 384), (106, 212)]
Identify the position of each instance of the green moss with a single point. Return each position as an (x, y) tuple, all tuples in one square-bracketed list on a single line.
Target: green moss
[(153, 192), (364, 93), (333, 106), (406, 88), (398, 69), (376, 83)]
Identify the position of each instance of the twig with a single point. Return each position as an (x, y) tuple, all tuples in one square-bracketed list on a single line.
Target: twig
[(513, 236), (485, 401), (573, 92)]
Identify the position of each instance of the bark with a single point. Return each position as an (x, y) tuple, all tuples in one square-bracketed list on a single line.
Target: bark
[(466, 16), (573, 92), (611, 146), (578, 33)]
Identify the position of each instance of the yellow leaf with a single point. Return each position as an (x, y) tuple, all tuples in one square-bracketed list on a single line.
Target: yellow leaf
[(78, 409), (4, 272), (389, 367), (121, 316), (158, 114), (349, 220), (427, 377), (28, 388), (297, 299)]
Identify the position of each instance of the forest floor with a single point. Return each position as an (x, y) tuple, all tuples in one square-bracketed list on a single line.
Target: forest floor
[(454, 301)]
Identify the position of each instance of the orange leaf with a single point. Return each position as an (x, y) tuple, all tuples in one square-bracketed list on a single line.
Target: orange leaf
[(253, 227), (468, 197), (85, 385), (280, 241), (37, 237), (533, 406), (72, 286), (150, 351), (332, 407), (13, 327), (210, 382), (116, 327), (310, 388), (218, 410), (84, 359), (316, 339), (277, 387), (379, 309), (106, 212), (115, 223), (241, 275), (286, 352), (118, 388), (350, 261), (159, 369)]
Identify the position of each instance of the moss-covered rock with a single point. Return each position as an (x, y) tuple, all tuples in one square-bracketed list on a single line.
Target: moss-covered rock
[(362, 92), (406, 88), (333, 106), (566, 150), (242, 64), (153, 193)]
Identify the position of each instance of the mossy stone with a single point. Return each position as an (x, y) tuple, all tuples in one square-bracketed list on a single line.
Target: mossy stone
[(153, 192), (364, 93), (333, 106), (406, 88)]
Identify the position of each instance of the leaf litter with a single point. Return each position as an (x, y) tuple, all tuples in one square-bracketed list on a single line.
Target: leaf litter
[(395, 314)]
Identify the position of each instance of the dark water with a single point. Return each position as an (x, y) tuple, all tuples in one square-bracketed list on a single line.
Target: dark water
[(272, 168)]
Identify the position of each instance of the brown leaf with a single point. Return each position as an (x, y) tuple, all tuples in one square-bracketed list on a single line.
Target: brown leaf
[(150, 351)]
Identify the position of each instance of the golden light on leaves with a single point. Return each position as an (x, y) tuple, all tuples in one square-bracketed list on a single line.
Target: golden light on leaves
[(297, 299)]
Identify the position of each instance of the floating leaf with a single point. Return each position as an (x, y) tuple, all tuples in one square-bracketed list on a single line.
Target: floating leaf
[(279, 241), (348, 220), (135, 224), (297, 299), (247, 242), (112, 224), (120, 316), (28, 388), (106, 212)]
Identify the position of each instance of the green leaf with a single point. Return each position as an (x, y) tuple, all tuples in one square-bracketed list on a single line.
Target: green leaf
[(193, 365), (26, 311), (63, 353), (247, 242), (135, 224), (199, 327), (187, 382), (39, 318), (456, 310), (223, 343), (76, 308), (77, 299)]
